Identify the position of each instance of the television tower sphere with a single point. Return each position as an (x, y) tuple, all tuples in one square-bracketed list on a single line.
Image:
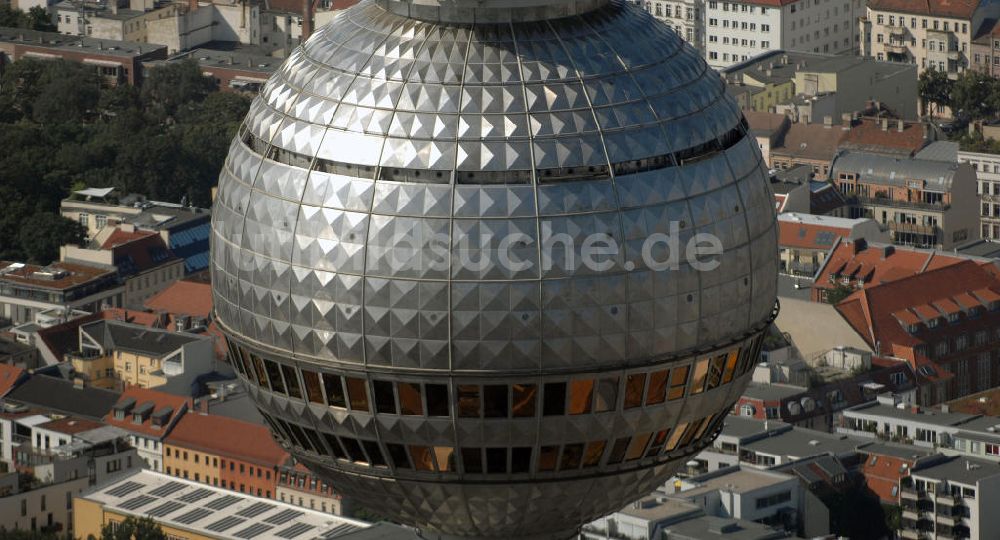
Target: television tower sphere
[(497, 268)]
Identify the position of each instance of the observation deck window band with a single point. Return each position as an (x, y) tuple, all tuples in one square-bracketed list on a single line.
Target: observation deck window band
[(683, 157), (574, 397)]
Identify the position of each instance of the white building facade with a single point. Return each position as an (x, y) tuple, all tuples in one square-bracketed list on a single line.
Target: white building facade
[(988, 188), (686, 17), (737, 31)]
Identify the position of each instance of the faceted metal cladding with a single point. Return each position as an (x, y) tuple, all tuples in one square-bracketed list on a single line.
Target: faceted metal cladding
[(485, 400)]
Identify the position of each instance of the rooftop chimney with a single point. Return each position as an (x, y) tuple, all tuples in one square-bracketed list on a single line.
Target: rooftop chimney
[(307, 19), (899, 126), (193, 5), (885, 124), (828, 121), (887, 252), (860, 245), (846, 121)]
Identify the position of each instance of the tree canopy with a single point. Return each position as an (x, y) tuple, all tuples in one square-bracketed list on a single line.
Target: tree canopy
[(975, 94), (61, 129), (37, 18), (133, 529)]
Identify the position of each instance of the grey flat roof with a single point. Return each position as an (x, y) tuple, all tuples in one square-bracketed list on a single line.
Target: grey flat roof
[(940, 151), (742, 427), (135, 337), (892, 171), (92, 46), (963, 470), (60, 395), (234, 59), (773, 391), (799, 442), (904, 451), (934, 417), (711, 527)]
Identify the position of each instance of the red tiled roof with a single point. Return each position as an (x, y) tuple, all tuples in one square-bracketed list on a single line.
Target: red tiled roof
[(183, 298), (870, 310), (986, 295), (120, 237), (926, 312), (906, 316), (875, 267), (160, 400), (228, 437), (9, 377), (804, 235), (868, 134), (961, 9), (70, 425), (966, 300), (947, 306)]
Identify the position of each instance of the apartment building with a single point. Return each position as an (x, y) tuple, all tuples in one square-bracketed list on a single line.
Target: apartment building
[(225, 452), (686, 17), (116, 20), (987, 167), (298, 485), (943, 322), (737, 31), (145, 264), (986, 48), (28, 289), (954, 498), (933, 34), (922, 203), (116, 354), (147, 416), (184, 229)]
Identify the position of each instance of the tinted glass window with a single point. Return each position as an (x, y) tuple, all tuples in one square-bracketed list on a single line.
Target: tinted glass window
[(353, 449), (495, 401), (274, 376), (657, 387), (572, 454), (496, 460), (520, 460), (472, 458), (618, 451), (357, 391), (468, 400), (374, 453), (592, 454), (581, 393), (334, 390), (547, 458), (291, 381), (397, 453), (606, 395), (421, 456), (634, 385), (678, 380), (385, 401), (445, 456), (635, 450), (437, 399), (334, 445), (555, 399)]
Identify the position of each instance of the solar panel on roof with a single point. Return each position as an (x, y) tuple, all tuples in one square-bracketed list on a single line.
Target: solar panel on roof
[(166, 508), (222, 502), (195, 495), (283, 517), (192, 516), (137, 502), (224, 523), (253, 531), (124, 489), (167, 489), (294, 530), (255, 509)]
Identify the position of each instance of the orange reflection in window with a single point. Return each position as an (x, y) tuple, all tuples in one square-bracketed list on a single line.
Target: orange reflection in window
[(700, 375), (592, 455), (678, 380), (313, 387), (580, 395), (637, 446), (731, 360), (410, 401), (421, 457), (657, 387), (525, 396), (357, 393), (633, 390), (547, 458), (571, 456), (675, 437), (445, 458)]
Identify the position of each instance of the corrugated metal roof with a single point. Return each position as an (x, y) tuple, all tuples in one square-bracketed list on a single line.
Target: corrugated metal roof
[(888, 171)]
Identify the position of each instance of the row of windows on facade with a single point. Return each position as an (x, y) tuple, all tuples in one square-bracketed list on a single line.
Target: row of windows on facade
[(499, 460), (183, 456), (578, 396), (933, 24), (42, 507), (744, 25), (305, 482), (665, 11), (926, 44), (214, 481), (744, 8)]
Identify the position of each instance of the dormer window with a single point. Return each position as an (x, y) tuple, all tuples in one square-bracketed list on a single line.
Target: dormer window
[(913, 328), (933, 323), (953, 317)]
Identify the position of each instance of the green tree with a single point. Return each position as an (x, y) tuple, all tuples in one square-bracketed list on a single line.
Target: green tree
[(934, 86), (973, 92), (38, 18), (43, 234), (838, 293), (133, 529), (173, 85)]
